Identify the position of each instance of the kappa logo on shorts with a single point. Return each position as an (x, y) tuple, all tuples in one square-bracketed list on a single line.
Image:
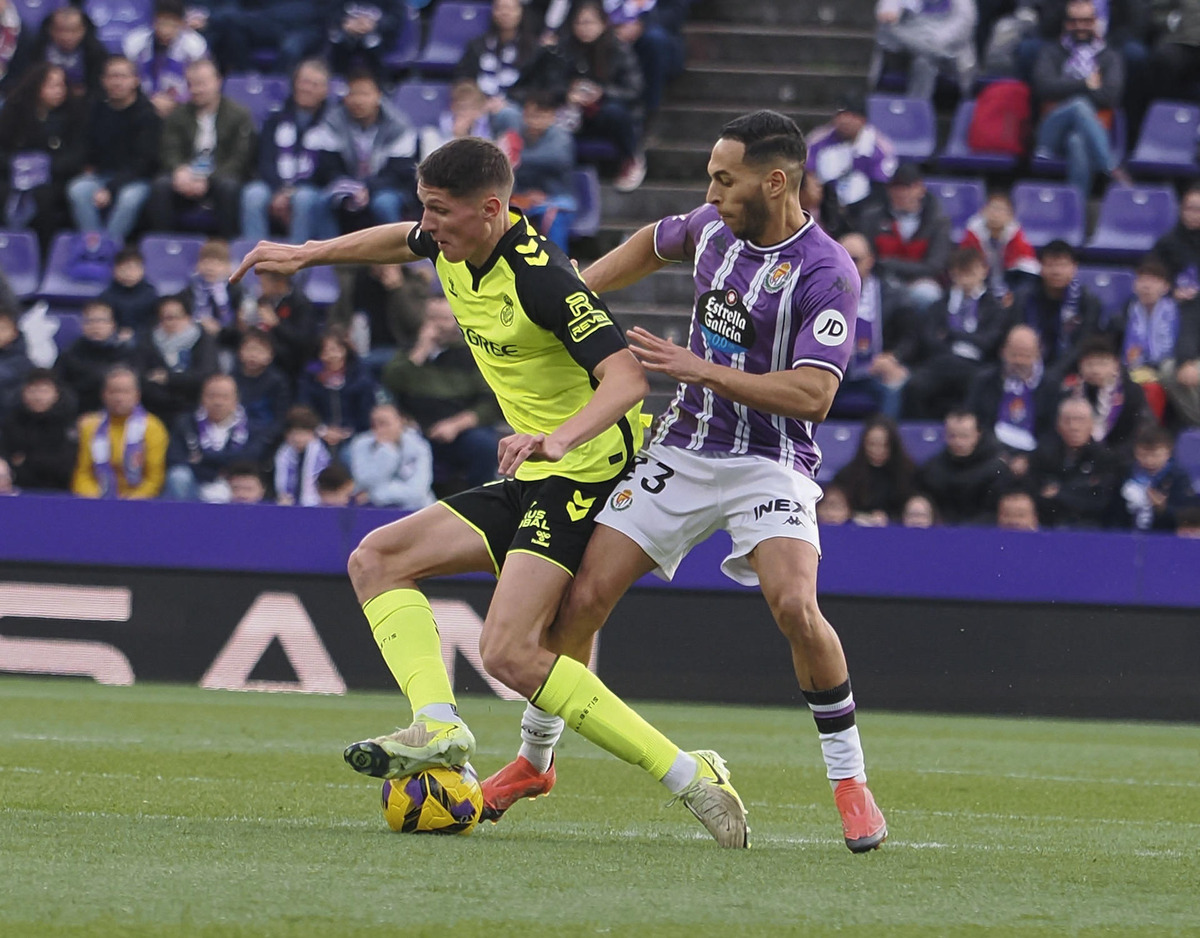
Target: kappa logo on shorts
[(621, 500), (578, 506)]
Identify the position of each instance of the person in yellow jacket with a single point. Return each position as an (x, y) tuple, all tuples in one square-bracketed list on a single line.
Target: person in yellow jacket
[(122, 449)]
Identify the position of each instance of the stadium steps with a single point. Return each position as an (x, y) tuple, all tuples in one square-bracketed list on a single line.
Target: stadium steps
[(845, 13), (763, 44), (769, 85), (698, 124)]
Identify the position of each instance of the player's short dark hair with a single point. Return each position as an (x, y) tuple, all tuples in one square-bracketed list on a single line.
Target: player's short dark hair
[(1059, 248), (1096, 345), (301, 417), (768, 136), (467, 166), (1154, 435), (169, 8), (333, 477), (1152, 266), (966, 258)]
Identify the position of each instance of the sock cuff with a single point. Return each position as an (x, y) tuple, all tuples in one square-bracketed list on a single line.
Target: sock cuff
[(565, 675), (826, 698), (378, 608)]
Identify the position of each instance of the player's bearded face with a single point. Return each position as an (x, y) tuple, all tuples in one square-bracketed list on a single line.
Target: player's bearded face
[(737, 191)]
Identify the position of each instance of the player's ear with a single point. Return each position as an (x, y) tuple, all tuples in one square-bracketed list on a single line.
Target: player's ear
[(776, 183), (493, 206)]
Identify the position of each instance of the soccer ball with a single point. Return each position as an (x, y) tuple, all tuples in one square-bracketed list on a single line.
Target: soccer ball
[(436, 801)]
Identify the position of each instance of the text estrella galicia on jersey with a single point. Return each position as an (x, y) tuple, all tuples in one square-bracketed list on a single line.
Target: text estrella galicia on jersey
[(726, 323)]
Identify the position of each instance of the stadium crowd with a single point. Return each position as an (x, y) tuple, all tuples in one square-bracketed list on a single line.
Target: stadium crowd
[(1060, 406)]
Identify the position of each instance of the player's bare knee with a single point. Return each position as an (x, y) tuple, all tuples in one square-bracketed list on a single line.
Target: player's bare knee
[(506, 657), (798, 616)]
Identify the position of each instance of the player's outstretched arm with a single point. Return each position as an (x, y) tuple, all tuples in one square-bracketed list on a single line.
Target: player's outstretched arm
[(625, 264), (383, 244), (804, 393), (622, 383)]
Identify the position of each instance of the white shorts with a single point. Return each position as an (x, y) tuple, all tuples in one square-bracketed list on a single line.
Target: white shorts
[(676, 498)]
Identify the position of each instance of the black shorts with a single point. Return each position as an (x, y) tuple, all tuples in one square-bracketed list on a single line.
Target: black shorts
[(551, 518)]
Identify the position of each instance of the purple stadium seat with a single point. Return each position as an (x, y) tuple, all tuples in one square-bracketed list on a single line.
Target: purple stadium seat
[(838, 441), (63, 284), (1167, 143), (453, 26), (923, 439), (960, 198), (1187, 454), (1053, 166), (908, 122), (19, 262), (262, 94), (587, 200), (1113, 286), (422, 102), (408, 41), (115, 19), (1048, 210), (34, 11), (957, 155), (1131, 220), (170, 260)]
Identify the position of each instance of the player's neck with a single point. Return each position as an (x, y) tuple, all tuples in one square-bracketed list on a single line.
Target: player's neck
[(486, 248), (783, 225)]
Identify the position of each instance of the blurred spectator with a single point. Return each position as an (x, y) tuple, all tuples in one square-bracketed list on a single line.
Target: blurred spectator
[(206, 441), (873, 373), (338, 388), (68, 41), (161, 53), (834, 506), (284, 194), (123, 448), (392, 297), (1016, 511), (1179, 248), (207, 153), (439, 384), (176, 358), (15, 45), (1155, 488), (1187, 522), (919, 512), (879, 479), (262, 388), (601, 80), (285, 314), (1074, 475), (300, 459), (245, 484), (1175, 62), (964, 479), (133, 299), (1079, 82), (1118, 404), (1060, 309), (84, 364), (935, 35), (392, 463), (359, 35), (467, 116), (290, 29), (654, 31), (367, 160), (14, 362), (1015, 399), (42, 145), (852, 159), (335, 486), (961, 336), (39, 438), (494, 61), (543, 166), (911, 235), (123, 137), (6, 480), (212, 300), (1155, 336), (1013, 266)]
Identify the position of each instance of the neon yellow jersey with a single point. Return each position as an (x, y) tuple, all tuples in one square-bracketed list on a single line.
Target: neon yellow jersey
[(537, 332)]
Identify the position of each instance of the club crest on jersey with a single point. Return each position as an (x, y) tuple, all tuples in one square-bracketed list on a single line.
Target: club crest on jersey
[(724, 321), (507, 313), (621, 500), (778, 277)]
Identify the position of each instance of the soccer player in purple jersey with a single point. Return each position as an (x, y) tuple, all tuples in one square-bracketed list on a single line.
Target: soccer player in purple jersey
[(771, 336)]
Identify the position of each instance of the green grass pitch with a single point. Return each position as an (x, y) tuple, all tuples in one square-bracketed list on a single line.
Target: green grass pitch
[(169, 811)]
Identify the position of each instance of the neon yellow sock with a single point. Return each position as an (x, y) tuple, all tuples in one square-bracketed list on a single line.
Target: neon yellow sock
[(403, 627), (572, 692)]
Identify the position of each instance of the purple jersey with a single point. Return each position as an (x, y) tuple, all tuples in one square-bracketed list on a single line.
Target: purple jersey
[(758, 310)]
